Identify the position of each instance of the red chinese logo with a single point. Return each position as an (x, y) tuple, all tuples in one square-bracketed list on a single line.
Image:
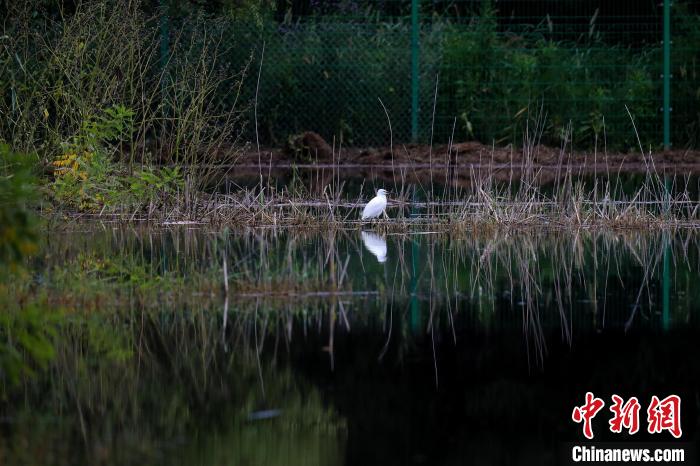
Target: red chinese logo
[(624, 415), (587, 412), (665, 415), (661, 415)]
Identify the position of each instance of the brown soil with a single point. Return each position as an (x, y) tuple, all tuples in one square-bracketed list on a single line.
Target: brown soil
[(311, 150)]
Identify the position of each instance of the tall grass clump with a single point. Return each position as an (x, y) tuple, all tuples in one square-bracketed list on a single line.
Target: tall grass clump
[(64, 68), (104, 91)]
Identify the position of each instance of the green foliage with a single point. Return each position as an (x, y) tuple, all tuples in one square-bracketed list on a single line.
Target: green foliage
[(90, 182), (685, 85), (87, 177), (114, 125), (251, 11), (491, 80), (67, 92), (25, 342), (59, 67), (325, 71), (17, 191), (150, 183), (578, 90), (327, 76), (104, 344), (124, 271)]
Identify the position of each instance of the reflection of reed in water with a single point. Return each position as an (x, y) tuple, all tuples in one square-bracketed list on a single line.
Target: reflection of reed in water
[(584, 278), (580, 281), (133, 385), (589, 281), (144, 308)]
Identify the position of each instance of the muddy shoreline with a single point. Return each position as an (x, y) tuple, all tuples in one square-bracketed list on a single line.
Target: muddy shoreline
[(310, 151), (459, 164)]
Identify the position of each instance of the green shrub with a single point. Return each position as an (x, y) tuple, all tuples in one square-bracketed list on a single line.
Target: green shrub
[(150, 183), (88, 177), (17, 193), (579, 90)]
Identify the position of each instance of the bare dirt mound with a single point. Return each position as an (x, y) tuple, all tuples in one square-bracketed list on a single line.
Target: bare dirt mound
[(310, 149)]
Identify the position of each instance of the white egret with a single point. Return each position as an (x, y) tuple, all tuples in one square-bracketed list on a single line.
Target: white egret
[(375, 244), (376, 206)]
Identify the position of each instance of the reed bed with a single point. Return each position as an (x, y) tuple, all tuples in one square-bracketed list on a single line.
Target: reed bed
[(443, 202), (570, 201)]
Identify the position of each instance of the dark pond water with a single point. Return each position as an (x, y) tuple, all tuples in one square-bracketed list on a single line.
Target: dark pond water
[(350, 347)]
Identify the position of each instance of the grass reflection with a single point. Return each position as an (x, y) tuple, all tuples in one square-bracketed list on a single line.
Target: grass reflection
[(127, 346)]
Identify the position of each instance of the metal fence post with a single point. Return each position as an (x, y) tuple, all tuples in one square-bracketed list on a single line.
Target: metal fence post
[(164, 25), (414, 70), (666, 274), (667, 74)]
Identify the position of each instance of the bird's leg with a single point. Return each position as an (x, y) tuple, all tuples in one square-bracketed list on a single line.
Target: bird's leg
[(385, 214)]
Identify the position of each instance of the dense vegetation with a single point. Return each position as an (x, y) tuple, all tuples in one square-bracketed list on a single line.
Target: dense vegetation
[(482, 75), (324, 68), (138, 126)]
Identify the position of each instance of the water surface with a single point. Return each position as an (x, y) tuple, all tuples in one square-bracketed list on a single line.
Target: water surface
[(349, 347)]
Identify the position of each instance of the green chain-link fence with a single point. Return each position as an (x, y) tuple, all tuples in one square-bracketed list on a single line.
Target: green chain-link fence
[(575, 65)]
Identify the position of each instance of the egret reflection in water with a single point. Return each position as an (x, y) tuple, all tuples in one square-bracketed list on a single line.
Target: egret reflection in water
[(375, 244)]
